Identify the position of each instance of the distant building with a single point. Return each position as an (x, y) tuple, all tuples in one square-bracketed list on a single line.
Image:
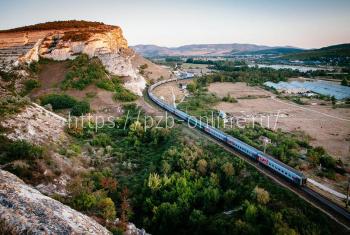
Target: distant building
[(318, 87), (183, 86), (222, 114), (183, 74), (293, 90), (265, 140)]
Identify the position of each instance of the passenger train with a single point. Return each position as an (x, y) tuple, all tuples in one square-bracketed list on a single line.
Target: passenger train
[(273, 164)]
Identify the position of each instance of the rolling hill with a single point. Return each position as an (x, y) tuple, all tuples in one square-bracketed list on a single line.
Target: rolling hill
[(272, 51), (335, 51)]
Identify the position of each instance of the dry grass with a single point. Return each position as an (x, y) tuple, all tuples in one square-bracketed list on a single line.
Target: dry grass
[(317, 121)]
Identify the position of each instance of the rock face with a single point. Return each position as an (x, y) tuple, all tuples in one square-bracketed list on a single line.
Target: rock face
[(103, 41), (24, 210), (36, 125)]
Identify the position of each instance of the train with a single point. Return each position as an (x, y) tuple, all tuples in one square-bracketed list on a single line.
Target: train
[(289, 173)]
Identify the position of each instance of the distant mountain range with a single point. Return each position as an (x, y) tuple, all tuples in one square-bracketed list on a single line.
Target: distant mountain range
[(287, 52), (197, 49), (209, 50)]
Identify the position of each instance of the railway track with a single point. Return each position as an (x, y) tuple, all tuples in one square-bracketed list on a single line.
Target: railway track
[(332, 210)]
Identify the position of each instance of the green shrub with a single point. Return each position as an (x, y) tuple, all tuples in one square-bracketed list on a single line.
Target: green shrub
[(58, 101), (34, 67), (21, 149), (12, 104), (101, 140), (123, 94), (84, 201), (31, 84), (18, 150), (7, 76), (80, 108), (229, 99), (106, 85)]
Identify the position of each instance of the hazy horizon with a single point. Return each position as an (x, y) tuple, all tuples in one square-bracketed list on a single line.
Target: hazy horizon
[(310, 24)]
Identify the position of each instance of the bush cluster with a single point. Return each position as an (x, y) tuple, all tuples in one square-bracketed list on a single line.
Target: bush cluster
[(83, 72), (58, 101), (18, 150), (80, 108)]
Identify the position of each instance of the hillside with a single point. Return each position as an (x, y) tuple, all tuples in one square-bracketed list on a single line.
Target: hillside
[(196, 49), (62, 40), (272, 51), (335, 51), (69, 68)]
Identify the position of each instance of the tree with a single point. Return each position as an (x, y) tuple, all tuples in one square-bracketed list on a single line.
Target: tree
[(107, 209), (109, 184), (345, 82), (228, 169), (166, 167), (125, 207), (191, 87), (154, 182), (197, 218), (251, 212), (333, 100), (202, 166), (280, 227), (261, 195)]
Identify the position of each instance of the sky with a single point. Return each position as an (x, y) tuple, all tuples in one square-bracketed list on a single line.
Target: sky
[(305, 24)]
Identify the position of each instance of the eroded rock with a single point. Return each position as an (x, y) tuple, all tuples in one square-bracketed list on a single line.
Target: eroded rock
[(24, 210)]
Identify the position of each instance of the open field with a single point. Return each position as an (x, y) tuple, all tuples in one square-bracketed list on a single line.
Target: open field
[(236, 90), (326, 126), (195, 68), (165, 91)]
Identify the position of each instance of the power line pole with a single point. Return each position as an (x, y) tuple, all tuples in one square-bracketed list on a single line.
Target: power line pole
[(347, 194)]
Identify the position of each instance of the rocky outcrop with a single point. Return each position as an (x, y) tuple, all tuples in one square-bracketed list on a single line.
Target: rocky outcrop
[(24, 210), (105, 42), (36, 125)]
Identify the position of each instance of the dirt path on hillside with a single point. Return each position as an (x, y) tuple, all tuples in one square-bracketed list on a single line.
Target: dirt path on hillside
[(50, 77)]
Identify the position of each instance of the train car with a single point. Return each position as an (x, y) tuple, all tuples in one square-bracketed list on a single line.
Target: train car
[(242, 147), (282, 169), (181, 114), (192, 122), (215, 132)]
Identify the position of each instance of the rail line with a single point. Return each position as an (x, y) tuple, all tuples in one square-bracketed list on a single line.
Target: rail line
[(332, 210)]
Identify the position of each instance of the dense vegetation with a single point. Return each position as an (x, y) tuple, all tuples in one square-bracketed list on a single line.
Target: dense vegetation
[(26, 160), (168, 182), (84, 72), (63, 101), (58, 101), (11, 104)]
